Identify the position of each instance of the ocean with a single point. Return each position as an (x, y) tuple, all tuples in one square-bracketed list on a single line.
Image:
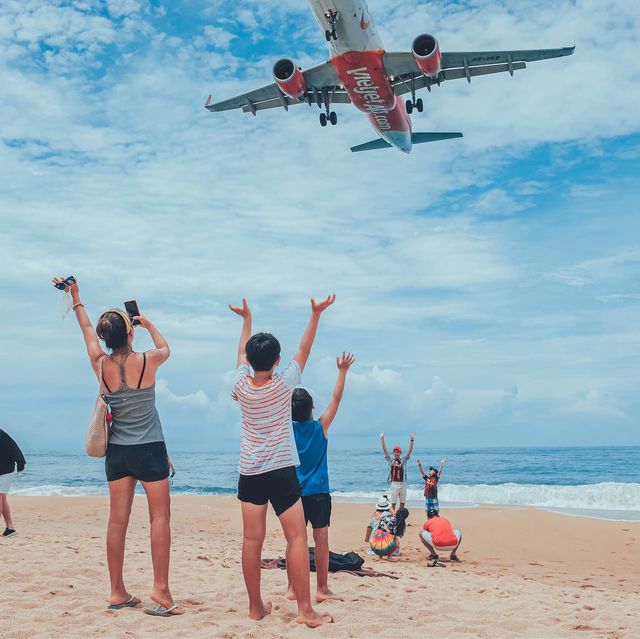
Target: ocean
[(601, 482)]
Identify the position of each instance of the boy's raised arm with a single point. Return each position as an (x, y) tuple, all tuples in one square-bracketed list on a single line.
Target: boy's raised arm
[(344, 363), (245, 313), (441, 467), (310, 332)]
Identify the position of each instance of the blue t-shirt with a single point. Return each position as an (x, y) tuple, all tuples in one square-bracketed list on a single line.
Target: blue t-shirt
[(313, 473)]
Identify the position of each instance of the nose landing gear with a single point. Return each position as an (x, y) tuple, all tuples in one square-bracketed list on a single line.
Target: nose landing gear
[(332, 19)]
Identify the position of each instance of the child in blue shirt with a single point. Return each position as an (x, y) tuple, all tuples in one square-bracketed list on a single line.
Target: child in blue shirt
[(313, 473)]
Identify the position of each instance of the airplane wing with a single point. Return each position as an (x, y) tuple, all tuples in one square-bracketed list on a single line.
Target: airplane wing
[(322, 84), (406, 74)]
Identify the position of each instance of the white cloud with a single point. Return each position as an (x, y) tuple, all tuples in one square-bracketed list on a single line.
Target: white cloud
[(198, 398)]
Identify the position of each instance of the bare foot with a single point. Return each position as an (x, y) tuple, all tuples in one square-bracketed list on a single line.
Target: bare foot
[(262, 612), (291, 596), (165, 600), (313, 619), (323, 595)]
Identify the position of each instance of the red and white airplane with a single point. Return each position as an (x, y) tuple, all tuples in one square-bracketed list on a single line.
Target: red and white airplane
[(360, 71)]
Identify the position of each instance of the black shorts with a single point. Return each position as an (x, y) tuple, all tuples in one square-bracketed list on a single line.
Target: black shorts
[(145, 462), (317, 510), (280, 487)]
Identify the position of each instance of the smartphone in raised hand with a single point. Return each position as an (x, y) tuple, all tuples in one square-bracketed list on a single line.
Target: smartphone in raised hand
[(132, 309)]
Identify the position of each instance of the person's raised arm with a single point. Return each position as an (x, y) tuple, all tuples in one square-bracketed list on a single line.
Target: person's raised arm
[(441, 467), (161, 352), (245, 313), (309, 336), (410, 449), (94, 350), (344, 363), (384, 447), (424, 475)]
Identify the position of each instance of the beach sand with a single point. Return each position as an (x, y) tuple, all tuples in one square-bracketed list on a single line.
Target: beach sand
[(524, 573)]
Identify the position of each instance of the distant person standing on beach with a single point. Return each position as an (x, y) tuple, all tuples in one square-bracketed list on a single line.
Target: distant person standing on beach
[(431, 486), (397, 477), (313, 473), (136, 449), (10, 457)]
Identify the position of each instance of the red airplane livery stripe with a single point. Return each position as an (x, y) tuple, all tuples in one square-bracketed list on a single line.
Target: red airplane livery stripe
[(365, 80)]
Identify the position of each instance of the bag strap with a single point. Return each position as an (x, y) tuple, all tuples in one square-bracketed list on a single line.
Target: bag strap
[(103, 384), (144, 365)]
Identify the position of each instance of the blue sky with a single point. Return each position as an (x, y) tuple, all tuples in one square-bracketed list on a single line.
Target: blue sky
[(489, 285)]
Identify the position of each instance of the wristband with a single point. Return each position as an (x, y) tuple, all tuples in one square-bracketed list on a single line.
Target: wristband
[(77, 305)]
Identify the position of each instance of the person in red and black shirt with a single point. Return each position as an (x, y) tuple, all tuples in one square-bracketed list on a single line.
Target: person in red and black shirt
[(397, 472), (431, 486)]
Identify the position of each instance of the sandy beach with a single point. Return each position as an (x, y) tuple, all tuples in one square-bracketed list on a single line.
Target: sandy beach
[(524, 573)]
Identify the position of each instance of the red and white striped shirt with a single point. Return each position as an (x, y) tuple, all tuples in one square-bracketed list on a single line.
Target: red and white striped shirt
[(267, 441)]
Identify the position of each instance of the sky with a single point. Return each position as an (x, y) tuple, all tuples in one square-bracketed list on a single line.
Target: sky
[(488, 286)]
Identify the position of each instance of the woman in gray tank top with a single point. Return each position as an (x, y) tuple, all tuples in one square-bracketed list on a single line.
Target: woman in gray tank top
[(136, 449)]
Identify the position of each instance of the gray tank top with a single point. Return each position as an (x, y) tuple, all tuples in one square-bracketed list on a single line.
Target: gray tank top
[(135, 418)]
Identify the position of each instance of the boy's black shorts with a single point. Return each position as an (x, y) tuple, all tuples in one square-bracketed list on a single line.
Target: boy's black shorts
[(145, 462), (280, 487), (317, 509)]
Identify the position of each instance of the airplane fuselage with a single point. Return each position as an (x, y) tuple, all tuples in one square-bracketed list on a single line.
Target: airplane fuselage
[(357, 56)]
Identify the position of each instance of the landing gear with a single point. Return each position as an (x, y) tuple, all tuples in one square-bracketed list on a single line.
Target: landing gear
[(330, 116), (413, 103), (332, 19), (418, 105), (327, 115)]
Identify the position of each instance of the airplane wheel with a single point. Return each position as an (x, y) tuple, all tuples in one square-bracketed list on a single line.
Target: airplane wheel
[(328, 34), (419, 105), (323, 119), (333, 117), (334, 35), (409, 106)]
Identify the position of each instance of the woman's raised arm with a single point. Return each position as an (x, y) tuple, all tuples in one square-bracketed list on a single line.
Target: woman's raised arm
[(94, 350)]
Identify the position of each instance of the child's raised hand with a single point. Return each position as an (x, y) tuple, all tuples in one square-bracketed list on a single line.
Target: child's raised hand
[(243, 310), (319, 307), (344, 362), (418, 462)]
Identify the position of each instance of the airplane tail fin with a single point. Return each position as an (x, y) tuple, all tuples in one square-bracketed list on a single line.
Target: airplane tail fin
[(416, 138)]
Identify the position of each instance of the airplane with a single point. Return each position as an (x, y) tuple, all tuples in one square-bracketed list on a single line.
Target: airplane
[(361, 72)]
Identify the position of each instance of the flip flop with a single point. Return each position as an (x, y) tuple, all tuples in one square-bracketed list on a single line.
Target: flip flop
[(131, 603), (161, 611)]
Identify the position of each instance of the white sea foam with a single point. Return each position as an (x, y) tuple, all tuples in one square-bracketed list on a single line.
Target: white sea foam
[(53, 490), (607, 496), (603, 496)]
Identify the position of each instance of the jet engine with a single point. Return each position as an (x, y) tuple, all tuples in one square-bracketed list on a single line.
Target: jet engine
[(289, 78), (426, 51)]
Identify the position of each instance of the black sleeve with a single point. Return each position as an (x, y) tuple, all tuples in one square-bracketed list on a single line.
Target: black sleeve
[(424, 477), (15, 451)]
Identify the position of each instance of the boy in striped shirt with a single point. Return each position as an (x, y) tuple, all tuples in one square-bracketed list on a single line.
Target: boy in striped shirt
[(268, 458)]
